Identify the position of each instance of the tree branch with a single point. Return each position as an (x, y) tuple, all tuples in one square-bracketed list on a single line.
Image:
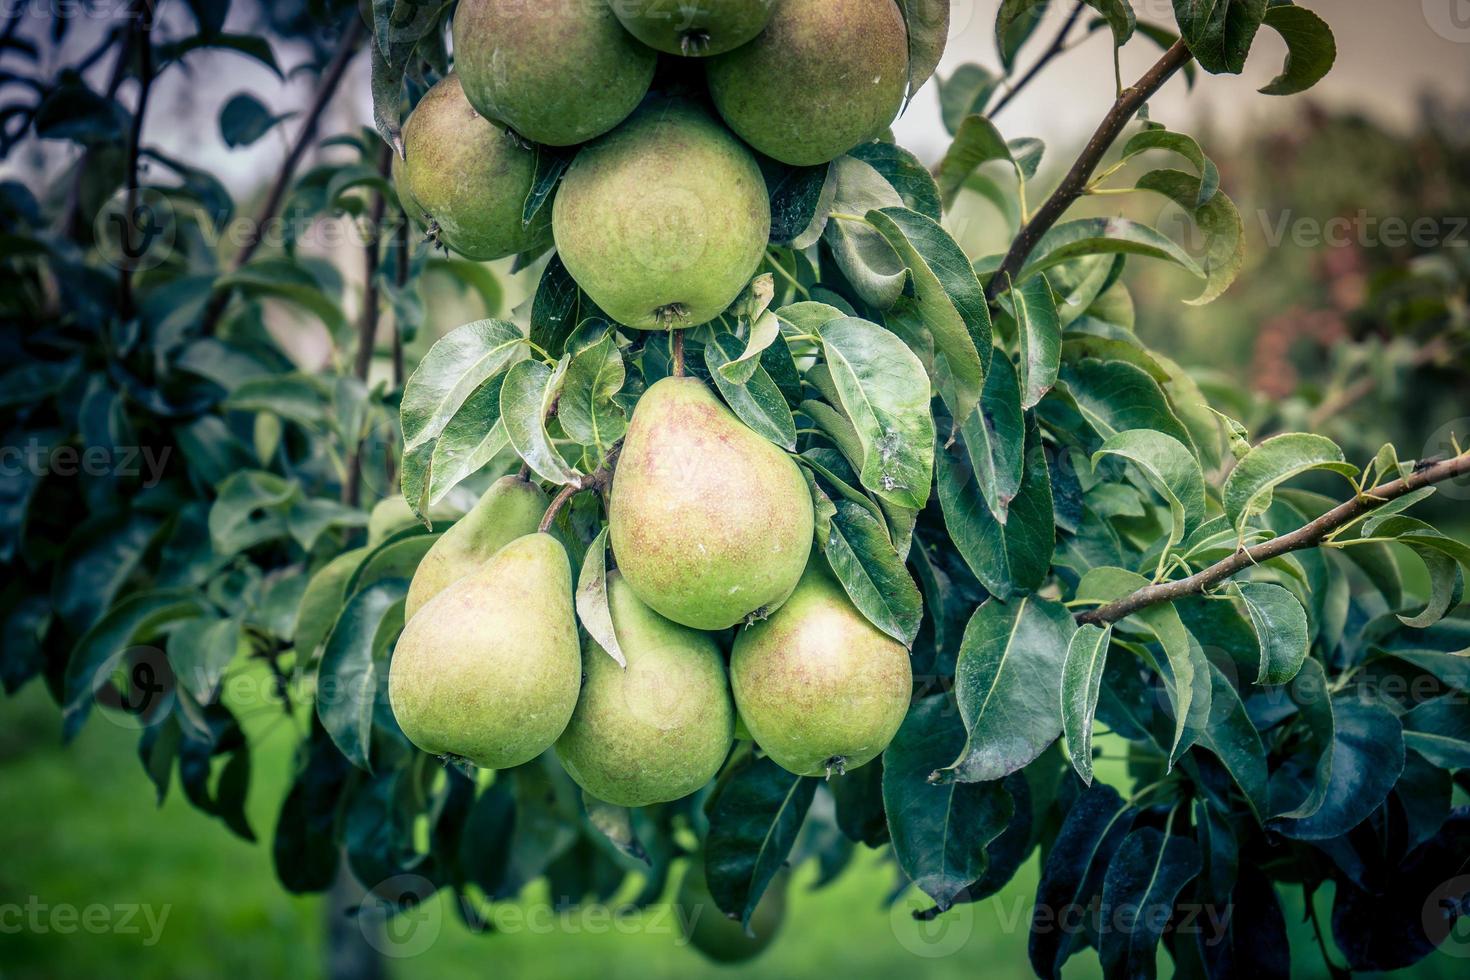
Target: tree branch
[(331, 79), (367, 320), (140, 39), (1349, 396), (1309, 536), (1075, 183), (599, 480), (1056, 47)]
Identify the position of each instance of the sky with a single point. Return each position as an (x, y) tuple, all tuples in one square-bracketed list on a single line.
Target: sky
[(1390, 51)]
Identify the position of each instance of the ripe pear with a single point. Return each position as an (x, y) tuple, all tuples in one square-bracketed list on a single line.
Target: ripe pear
[(658, 729), (664, 220), (821, 689), (822, 78), (710, 523), (714, 934), (557, 73), (510, 509), (694, 29), (488, 670), (470, 177)]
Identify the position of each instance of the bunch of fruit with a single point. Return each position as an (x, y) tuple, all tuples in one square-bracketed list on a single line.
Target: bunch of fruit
[(662, 218)]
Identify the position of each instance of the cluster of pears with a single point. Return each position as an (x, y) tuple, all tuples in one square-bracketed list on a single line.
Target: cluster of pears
[(712, 530), (663, 214)]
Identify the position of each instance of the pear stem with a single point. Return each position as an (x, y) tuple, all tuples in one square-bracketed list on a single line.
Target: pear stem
[(676, 351)]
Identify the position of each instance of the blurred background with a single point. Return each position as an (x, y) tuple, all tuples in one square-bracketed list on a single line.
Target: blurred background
[(1355, 201)]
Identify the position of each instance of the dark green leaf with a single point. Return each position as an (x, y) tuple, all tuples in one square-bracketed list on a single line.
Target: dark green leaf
[(1310, 48), (1082, 675), (871, 572), (353, 669), (752, 825), (1146, 875)]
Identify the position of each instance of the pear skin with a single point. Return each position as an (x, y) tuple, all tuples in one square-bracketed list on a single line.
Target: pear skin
[(663, 221), (709, 522), (695, 30), (821, 78), (820, 688), (488, 671), (557, 73), (658, 729), (510, 509), (468, 177)]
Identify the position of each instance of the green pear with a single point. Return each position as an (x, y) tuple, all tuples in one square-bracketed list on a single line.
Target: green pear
[(709, 522), (714, 934), (557, 73), (658, 729), (488, 670), (510, 509), (411, 208), (821, 689), (663, 221), (696, 29), (822, 78), (469, 177)]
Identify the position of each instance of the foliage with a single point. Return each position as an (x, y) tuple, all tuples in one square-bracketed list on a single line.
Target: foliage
[(992, 451)]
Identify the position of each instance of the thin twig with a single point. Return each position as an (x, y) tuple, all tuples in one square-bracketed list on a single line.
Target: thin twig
[(1363, 387), (141, 41), (1309, 536), (367, 320), (676, 351), (1075, 183), (1058, 45), (331, 79), (599, 480)]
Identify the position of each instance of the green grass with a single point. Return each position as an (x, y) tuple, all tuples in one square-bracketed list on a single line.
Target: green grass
[(80, 829)]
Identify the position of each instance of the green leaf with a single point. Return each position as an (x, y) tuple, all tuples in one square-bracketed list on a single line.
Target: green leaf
[(1310, 48), (1120, 17), (976, 143), (474, 437), (966, 92), (354, 665), (309, 518), (1220, 32), (587, 406), (1248, 489), (752, 824), (1115, 396), (1015, 22), (927, 23), (758, 402), (298, 398), (1104, 236), (906, 173), (1146, 876), (1008, 682), (885, 393), (868, 261), (138, 618), (762, 328), (249, 510), (871, 572), (1082, 674), (1171, 469), (284, 280), (199, 650), (616, 824), (1185, 146), (593, 611), (1363, 761), (1234, 740), (1039, 331), (526, 399), (939, 832), (1439, 730), (322, 601), (1012, 558), (995, 436), (1281, 629), (1218, 221), (245, 119), (947, 313), (1109, 584)]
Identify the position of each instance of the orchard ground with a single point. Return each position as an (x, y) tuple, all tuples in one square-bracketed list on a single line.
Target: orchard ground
[(82, 833)]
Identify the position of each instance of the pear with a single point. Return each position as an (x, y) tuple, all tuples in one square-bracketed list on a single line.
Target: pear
[(469, 177), (510, 509), (822, 78), (663, 221), (709, 522), (694, 29), (488, 670), (717, 936), (658, 729), (557, 73), (822, 690)]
